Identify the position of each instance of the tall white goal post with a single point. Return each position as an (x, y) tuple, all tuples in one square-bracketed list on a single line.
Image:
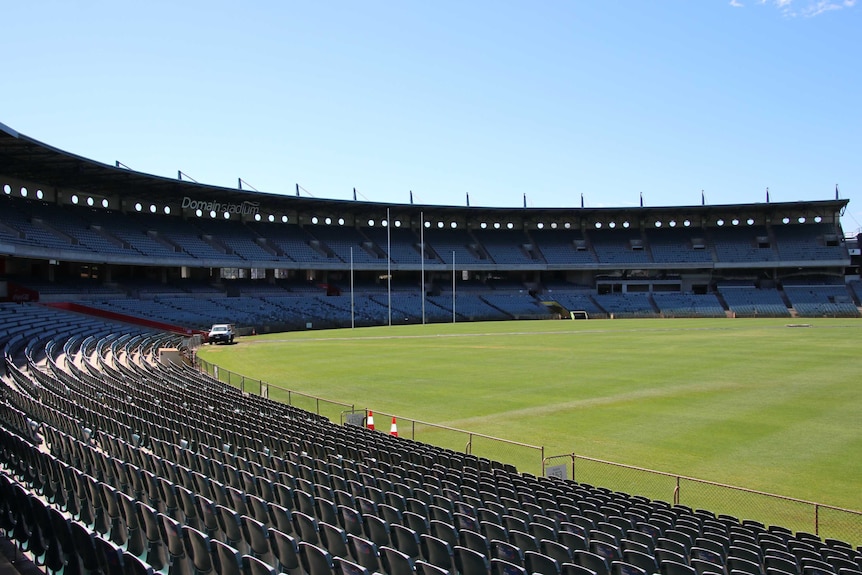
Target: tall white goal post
[(579, 314)]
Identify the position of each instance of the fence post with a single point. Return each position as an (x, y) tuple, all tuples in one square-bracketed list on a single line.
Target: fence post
[(542, 455), (816, 519), (676, 492)]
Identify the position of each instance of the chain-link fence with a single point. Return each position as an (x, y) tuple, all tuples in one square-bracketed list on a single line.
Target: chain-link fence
[(521, 456), (325, 407), (768, 509)]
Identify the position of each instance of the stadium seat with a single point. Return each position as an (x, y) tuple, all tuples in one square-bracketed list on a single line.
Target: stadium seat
[(253, 566), (199, 550), (536, 562), (333, 539), (285, 550), (396, 562), (471, 562), (315, 560)]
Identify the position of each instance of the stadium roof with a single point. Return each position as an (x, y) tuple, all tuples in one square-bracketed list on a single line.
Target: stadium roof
[(27, 159)]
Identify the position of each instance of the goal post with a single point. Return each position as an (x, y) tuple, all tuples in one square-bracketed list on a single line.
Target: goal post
[(579, 314)]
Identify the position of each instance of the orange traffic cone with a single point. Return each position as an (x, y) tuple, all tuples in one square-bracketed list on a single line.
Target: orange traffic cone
[(369, 423), (394, 429)]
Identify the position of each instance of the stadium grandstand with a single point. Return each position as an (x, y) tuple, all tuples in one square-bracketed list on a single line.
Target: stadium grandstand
[(117, 457), (182, 253)]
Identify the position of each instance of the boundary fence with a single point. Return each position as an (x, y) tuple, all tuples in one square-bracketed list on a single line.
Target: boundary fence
[(504, 451), (825, 521), (492, 448), (318, 405)]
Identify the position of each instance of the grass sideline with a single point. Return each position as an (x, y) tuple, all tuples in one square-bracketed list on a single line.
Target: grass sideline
[(746, 402)]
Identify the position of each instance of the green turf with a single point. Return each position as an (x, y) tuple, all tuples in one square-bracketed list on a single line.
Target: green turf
[(751, 403)]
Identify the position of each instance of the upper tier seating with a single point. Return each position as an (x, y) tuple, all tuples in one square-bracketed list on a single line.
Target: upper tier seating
[(20, 227), (679, 245), (404, 243), (510, 247), (187, 237), (292, 243), (238, 239), (341, 240), (143, 239), (78, 227), (748, 244), (563, 247), (619, 246), (809, 242), (137, 235), (457, 243)]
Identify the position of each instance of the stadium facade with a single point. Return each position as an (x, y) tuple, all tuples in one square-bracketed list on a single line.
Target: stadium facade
[(192, 254)]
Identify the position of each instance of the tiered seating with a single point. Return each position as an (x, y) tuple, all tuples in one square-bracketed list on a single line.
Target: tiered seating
[(563, 247), (135, 232), (190, 239), (298, 310), (619, 247), (156, 310), (366, 311), (76, 290), (821, 301), (111, 458), (293, 306), (51, 230), (577, 301), (74, 224), (679, 245), (238, 238), (472, 307), (342, 239), (444, 242), (506, 246), (20, 228), (688, 305), (749, 244), (620, 305), (809, 242), (292, 242), (407, 307), (404, 243), (517, 305), (855, 287), (753, 302)]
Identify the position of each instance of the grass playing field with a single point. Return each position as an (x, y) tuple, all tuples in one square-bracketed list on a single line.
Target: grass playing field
[(751, 403)]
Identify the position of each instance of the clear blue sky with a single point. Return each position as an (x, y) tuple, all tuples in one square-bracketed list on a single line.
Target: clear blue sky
[(605, 98)]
